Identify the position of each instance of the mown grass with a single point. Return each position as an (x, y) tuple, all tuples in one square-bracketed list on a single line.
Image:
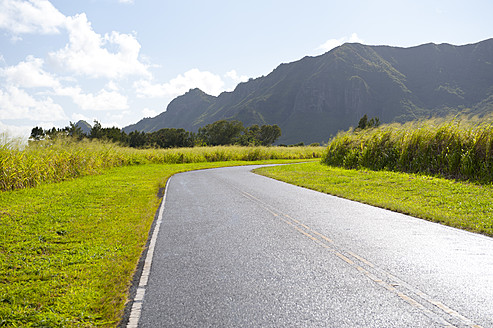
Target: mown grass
[(68, 250), (462, 205), (453, 149), (62, 159)]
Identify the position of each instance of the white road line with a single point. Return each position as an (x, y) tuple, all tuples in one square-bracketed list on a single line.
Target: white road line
[(133, 321)]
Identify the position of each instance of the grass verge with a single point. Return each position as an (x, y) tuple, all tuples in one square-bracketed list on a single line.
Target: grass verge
[(68, 250), (458, 204)]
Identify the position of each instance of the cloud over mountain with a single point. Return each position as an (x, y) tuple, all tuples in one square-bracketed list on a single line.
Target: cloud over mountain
[(207, 81)]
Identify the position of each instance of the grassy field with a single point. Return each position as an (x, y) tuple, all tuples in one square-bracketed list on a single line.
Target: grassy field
[(463, 205), (68, 250), (62, 159)]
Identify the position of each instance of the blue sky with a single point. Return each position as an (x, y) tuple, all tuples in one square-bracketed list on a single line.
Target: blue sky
[(118, 61)]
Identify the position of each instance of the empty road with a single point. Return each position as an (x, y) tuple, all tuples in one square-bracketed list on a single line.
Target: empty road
[(234, 249)]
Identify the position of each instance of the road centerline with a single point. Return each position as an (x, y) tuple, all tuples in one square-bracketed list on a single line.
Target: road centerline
[(329, 244)]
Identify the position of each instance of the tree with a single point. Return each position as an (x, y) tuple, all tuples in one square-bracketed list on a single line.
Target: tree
[(54, 133), (37, 133), (374, 122), (171, 138), (364, 123), (74, 131), (265, 135), (221, 132), (269, 134), (96, 131), (137, 139), (250, 136), (113, 134)]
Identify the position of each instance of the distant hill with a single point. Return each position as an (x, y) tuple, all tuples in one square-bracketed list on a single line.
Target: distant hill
[(84, 126), (315, 97)]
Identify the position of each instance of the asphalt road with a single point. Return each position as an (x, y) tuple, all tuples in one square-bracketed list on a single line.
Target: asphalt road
[(235, 249)]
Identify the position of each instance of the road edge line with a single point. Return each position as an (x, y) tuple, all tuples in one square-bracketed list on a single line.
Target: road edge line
[(135, 312)]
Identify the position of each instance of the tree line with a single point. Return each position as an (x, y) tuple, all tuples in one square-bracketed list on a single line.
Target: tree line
[(221, 132)]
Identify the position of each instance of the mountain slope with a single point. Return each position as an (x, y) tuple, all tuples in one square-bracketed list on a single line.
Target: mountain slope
[(84, 126), (315, 97)]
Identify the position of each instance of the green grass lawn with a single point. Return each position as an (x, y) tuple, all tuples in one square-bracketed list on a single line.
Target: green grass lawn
[(458, 204), (68, 250)]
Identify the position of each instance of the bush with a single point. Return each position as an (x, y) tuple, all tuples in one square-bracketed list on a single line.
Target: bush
[(451, 149)]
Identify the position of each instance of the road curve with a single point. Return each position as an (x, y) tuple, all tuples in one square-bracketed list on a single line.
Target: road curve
[(235, 249)]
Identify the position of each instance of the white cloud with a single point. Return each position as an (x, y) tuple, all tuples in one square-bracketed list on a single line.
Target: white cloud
[(87, 51), (14, 135), (235, 77), (149, 112), (85, 54), (33, 16), (103, 100), (333, 43), (16, 104), (29, 74), (30, 89), (112, 86), (355, 39), (76, 117), (114, 117), (146, 89), (206, 81)]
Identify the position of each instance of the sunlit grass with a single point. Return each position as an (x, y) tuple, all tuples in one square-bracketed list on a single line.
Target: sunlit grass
[(64, 158), (68, 250), (462, 205), (69, 247), (452, 149)]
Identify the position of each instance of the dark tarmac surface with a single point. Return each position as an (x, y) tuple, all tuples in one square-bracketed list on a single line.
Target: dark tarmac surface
[(239, 250)]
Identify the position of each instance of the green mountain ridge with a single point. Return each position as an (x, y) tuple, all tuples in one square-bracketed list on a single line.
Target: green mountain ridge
[(315, 97)]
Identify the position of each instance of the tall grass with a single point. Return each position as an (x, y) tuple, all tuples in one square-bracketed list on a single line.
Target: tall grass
[(62, 159), (451, 149)]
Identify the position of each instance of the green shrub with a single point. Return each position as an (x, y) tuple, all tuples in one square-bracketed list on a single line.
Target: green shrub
[(450, 149)]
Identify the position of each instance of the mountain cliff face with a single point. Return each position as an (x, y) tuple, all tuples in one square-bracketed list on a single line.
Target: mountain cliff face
[(182, 112), (315, 97)]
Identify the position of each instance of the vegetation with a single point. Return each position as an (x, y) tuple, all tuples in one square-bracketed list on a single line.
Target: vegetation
[(364, 123), (220, 133), (232, 132), (68, 251), (452, 149), (66, 259), (458, 204), (65, 158)]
